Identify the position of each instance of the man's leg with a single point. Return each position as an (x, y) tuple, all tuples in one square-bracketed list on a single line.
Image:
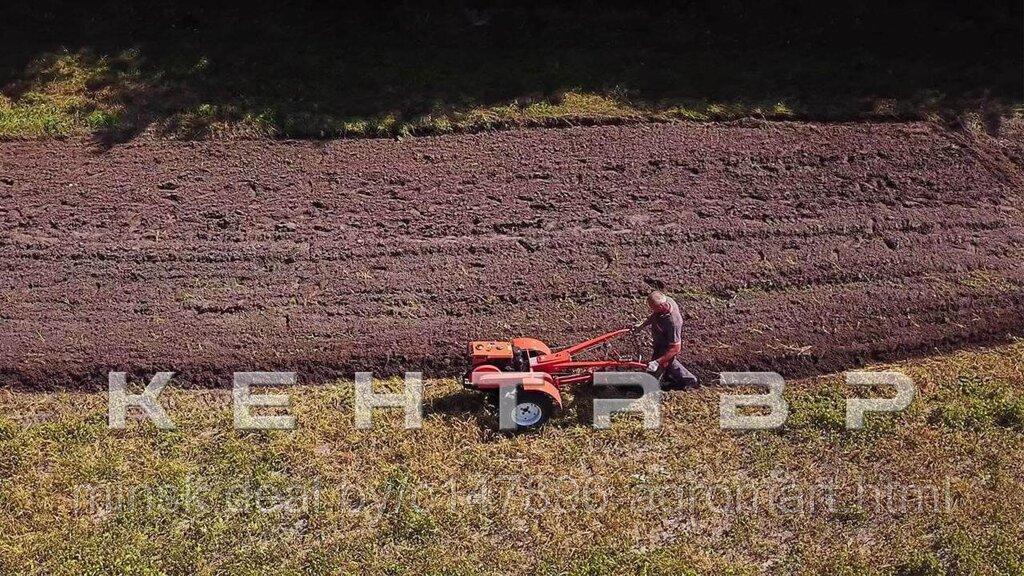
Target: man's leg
[(677, 377)]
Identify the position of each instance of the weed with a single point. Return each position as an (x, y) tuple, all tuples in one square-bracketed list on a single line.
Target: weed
[(822, 410), (977, 403), (921, 564)]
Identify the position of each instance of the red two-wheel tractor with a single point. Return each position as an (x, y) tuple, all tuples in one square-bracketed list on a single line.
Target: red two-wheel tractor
[(538, 373)]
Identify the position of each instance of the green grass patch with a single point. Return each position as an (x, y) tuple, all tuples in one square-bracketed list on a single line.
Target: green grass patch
[(977, 402)]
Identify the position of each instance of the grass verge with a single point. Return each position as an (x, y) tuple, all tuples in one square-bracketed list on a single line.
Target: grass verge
[(189, 69), (933, 490)]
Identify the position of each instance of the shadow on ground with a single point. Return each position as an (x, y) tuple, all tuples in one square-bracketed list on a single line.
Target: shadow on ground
[(305, 69)]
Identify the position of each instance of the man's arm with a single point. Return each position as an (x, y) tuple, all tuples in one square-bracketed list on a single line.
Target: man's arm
[(644, 324)]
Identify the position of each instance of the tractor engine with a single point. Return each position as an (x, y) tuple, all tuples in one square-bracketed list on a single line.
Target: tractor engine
[(502, 355)]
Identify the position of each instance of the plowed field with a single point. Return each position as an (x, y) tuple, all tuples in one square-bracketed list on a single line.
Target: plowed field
[(797, 247)]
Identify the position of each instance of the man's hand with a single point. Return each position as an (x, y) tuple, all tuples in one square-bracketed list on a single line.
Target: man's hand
[(638, 326), (653, 366)]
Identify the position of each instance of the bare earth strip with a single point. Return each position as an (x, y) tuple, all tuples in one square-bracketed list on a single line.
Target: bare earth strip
[(803, 248)]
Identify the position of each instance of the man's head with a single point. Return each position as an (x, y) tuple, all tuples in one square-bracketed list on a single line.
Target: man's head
[(657, 302)]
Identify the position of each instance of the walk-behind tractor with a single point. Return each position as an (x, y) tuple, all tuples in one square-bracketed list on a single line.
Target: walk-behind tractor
[(539, 373)]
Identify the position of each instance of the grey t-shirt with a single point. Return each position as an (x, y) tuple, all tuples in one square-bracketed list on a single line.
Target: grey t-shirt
[(667, 328)]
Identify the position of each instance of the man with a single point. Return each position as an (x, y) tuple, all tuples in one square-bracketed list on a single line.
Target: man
[(666, 330)]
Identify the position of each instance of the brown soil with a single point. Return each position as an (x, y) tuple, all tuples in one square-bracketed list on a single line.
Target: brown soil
[(797, 247)]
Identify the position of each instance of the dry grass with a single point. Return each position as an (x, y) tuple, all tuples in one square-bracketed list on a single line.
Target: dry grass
[(934, 490)]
